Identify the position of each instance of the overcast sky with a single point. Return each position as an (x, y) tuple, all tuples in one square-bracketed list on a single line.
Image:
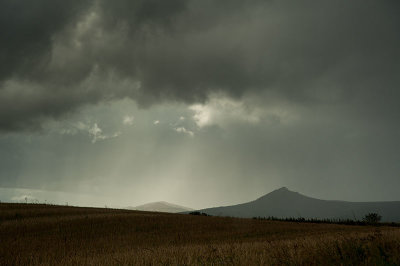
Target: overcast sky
[(199, 103)]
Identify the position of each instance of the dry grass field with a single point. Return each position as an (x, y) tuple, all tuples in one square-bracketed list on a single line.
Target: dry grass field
[(57, 235)]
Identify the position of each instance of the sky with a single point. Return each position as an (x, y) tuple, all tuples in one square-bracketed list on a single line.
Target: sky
[(198, 103)]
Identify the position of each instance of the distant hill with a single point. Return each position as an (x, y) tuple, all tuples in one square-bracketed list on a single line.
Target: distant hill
[(161, 206), (283, 203)]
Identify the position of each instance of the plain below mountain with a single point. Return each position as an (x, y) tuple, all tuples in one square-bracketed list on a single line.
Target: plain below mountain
[(161, 206), (283, 203)]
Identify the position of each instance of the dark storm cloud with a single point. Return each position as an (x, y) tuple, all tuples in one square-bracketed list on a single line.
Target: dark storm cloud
[(59, 55), (27, 28)]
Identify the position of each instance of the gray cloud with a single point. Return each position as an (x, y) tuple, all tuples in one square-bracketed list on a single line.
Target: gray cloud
[(27, 30), (58, 56)]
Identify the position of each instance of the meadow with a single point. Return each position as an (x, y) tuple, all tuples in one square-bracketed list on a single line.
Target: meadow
[(35, 234)]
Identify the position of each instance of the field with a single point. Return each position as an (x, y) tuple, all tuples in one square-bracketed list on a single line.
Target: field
[(34, 234)]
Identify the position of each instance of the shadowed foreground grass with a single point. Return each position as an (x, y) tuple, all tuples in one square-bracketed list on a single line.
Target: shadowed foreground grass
[(51, 235)]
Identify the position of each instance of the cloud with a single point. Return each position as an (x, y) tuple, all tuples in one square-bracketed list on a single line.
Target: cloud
[(156, 122), (128, 120), (28, 29), (224, 111), (311, 53), (94, 131), (202, 114), (184, 131), (97, 133)]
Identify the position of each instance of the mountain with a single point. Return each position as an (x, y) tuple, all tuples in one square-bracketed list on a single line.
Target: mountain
[(160, 206), (283, 203)]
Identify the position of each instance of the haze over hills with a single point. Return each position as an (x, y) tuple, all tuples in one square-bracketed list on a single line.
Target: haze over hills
[(283, 203), (161, 206)]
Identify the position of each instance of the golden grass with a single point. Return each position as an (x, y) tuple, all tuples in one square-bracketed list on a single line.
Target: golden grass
[(52, 235)]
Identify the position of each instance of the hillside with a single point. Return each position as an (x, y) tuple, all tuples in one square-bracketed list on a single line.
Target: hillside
[(36, 234), (283, 203), (161, 206)]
